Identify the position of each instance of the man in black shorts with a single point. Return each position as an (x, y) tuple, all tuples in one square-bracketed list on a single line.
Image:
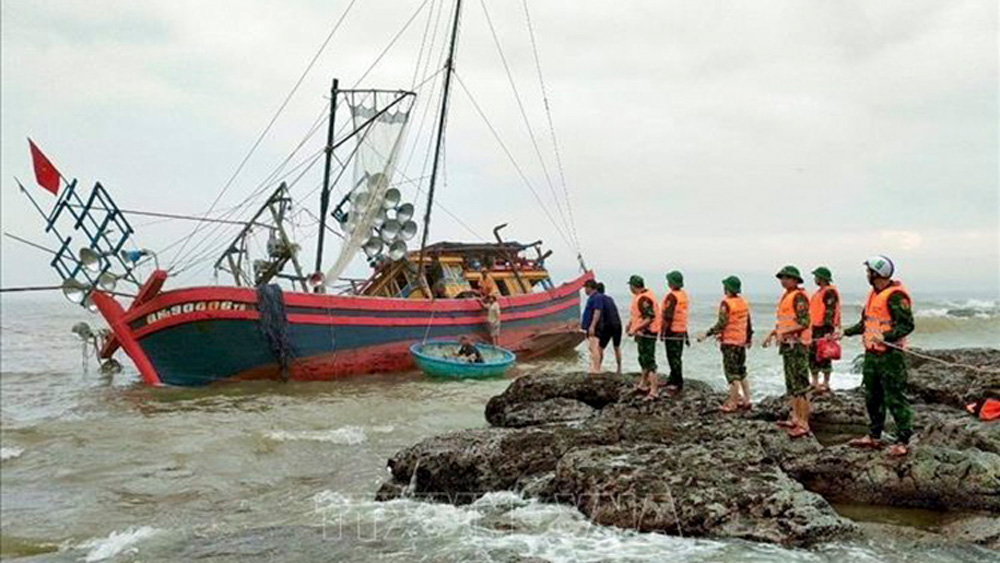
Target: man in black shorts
[(610, 327)]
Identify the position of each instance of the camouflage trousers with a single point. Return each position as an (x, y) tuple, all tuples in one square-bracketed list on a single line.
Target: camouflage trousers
[(884, 379), (795, 360)]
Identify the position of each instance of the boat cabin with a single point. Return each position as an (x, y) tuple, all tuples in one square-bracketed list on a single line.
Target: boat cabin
[(455, 270)]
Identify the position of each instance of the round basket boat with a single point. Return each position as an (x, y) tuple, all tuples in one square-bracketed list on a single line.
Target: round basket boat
[(438, 359)]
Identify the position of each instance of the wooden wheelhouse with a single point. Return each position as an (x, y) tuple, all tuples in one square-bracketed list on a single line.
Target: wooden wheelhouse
[(455, 270)]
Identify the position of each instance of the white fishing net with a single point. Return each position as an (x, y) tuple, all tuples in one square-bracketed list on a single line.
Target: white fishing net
[(378, 146)]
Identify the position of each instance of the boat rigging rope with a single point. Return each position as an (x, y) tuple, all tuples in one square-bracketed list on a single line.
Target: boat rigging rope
[(247, 201), (274, 118), (524, 114), (552, 129), (513, 161)]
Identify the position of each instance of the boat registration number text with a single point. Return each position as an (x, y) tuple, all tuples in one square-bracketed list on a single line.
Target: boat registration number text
[(196, 306)]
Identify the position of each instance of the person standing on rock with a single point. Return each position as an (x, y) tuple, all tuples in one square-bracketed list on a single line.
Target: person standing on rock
[(674, 329), (824, 312), (734, 331), (644, 325), (590, 323), (611, 327), (885, 323), (793, 332)]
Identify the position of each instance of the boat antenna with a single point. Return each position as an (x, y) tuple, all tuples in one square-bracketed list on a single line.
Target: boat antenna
[(324, 198), (449, 70)]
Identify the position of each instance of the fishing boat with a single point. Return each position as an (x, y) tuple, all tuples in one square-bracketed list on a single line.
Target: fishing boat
[(280, 320), (439, 359)]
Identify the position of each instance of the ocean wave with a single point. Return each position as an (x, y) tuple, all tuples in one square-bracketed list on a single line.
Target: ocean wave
[(116, 543), (503, 522), (347, 435), (967, 309), (10, 452), (946, 323)]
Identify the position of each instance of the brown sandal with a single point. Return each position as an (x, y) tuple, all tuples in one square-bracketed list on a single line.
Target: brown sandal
[(865, 442), (899, 450), (799, 432)]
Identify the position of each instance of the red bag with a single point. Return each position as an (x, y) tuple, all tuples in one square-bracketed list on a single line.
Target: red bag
[(827, 350)]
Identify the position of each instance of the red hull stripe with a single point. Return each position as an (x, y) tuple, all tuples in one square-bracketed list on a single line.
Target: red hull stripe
[(322, 301), (338, 320)]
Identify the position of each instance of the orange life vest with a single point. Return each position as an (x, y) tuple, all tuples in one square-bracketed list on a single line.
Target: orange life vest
[(817, 306), (679, 322), (788, 319), (636, 316), (878, 320), (735, 331), (990, 410)]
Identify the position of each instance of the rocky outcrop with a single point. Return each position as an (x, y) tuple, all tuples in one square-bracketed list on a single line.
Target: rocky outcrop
[(937, 383), (679, 466)]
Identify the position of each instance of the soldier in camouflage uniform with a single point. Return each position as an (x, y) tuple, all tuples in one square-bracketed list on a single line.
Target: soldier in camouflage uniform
[(644, 325), (793, 332), (885, 324), (734, 330)]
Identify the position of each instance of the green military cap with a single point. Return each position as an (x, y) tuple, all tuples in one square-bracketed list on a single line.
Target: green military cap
[(674, 277), (823, 273), (789, 272), (636, 281), (733, 284)]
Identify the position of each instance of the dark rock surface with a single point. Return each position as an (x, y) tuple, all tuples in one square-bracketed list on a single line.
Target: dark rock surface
[(679, 466)]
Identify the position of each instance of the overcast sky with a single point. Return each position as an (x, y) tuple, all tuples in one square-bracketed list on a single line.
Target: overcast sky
[(713, 137)]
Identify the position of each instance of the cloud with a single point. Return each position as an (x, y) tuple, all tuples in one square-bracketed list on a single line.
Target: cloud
[(706, 135)]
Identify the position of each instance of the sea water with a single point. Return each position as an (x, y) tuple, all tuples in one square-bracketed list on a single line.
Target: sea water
[(100, 468)]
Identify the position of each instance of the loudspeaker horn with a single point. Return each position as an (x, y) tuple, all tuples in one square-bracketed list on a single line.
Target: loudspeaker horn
[(392, 197), (107, 282), (397, 250), (404, 212), (390, 230), (90, 259)]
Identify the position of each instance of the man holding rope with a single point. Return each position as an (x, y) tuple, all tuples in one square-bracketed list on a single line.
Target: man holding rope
[(885, 324)]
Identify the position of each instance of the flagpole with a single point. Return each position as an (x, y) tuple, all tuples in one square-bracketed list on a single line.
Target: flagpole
[(31, 199)]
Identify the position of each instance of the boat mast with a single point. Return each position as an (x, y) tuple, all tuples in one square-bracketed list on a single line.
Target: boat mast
[(449, 69), (324, 198)]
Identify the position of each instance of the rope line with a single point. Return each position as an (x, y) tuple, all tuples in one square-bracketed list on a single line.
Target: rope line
[(513, 161), (524, 114), (552, 129), (943, 362), (274, 118)]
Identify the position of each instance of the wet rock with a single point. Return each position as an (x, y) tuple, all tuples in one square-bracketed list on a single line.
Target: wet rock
[(595, 391), (929, 477), (958, 429), (462, 466), (981, 530), (722, 490), (550, 411), (933, 382)]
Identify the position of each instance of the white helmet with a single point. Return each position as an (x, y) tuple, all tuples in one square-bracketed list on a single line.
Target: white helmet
[(881, 265)]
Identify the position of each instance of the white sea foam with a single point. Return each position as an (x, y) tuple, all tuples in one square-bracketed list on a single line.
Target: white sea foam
[(10, 452), (346, 435), (116, 543), (503, 522)]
